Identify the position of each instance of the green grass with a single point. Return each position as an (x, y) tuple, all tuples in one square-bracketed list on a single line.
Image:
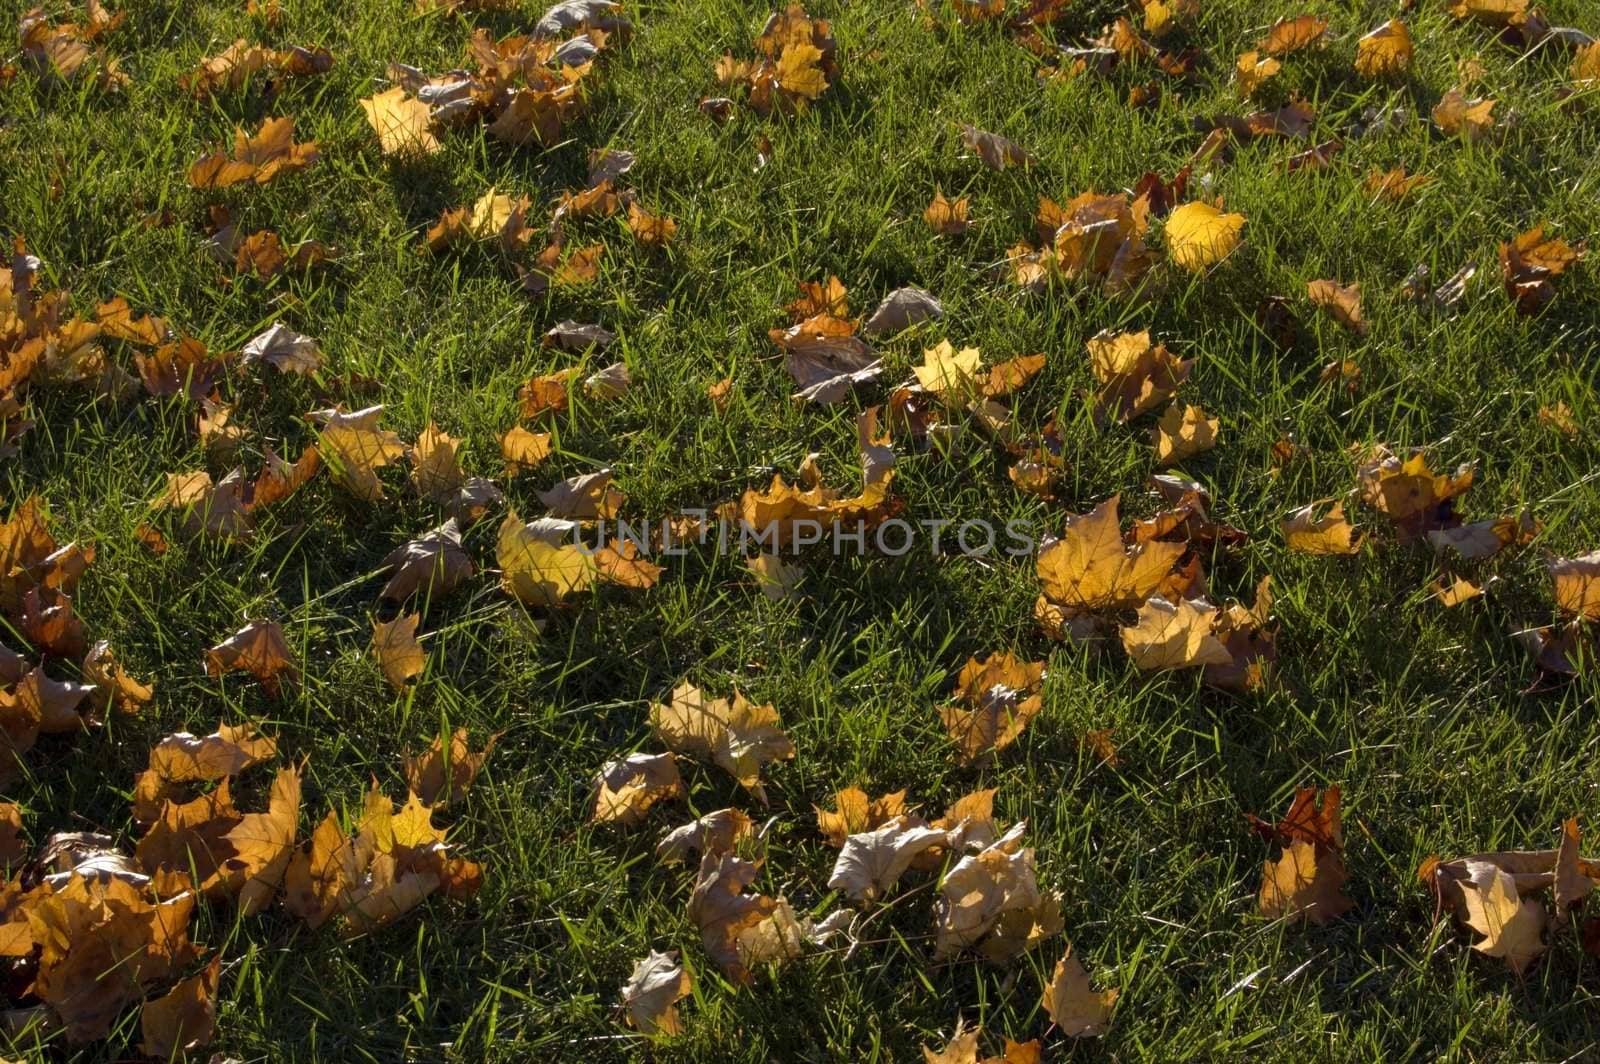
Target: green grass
[(1420, 713)]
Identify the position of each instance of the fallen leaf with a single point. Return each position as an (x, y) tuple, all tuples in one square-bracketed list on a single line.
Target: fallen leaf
[(185, 758), (184, 1018), (1394, 185), (854, 812), (999, 696), (1293, 34), (1577, 585), (1512, 926), (871, 862), (1182, 432), (996, 151), (537, 564), (1484, 539), (1307, 880), (286, 350), (439, 778), (1072, 1005), (434, 564), (1135, 375), (901, 309), (1385, 51), (258, 648), (626, 788), (1251, 71), (1089, 570), (740, 931), (355, 448), (272, 151), (400, 656), (717, 833), (1341, 302), (1169, 636), (738, 736), (1331, 533), (947, 217), (651, 992), (1199, 235), (1409, 493)]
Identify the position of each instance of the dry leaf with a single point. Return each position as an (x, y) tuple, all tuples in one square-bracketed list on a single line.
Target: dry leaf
[(1342, 303), (947, 217), (1512, 926), (1135, 375), (438, 778), (740, 931), (272, 151), (400, 656), (714, 834), (258, 648), (355, 448), (1332, 533), (184, 1018), (657, 983), (286, 350), (1251, 71), (1169, 636), (854, 812), (1577, 585), (1089, 570), (1182, 432), (1307, 880), (901, 309), (1001, 694), (1072, 1005), (434, 564), (1409, 493), (1394, 185), (871, 862), (1384, 52), (1292, 34), (537, 564), (626, 788), (996, 151), (738, 736)]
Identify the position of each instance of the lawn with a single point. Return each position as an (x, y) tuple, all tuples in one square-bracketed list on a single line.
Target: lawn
[(1442, 733)]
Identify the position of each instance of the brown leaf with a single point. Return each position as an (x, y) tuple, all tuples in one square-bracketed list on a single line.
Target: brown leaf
[(1332, 533), (1577, 585), (996, 151), (439, 779), (1071, 1004), (947, 217), (626, 788), (272, 151), (871, 862), (258, 648), (998, 696), (741, 931), (286, 350), (1342, 303), (185, 1017), (185, 758), (854, 812), (434, 564), (1135, 375), (1307, 880), (1089, 570)]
